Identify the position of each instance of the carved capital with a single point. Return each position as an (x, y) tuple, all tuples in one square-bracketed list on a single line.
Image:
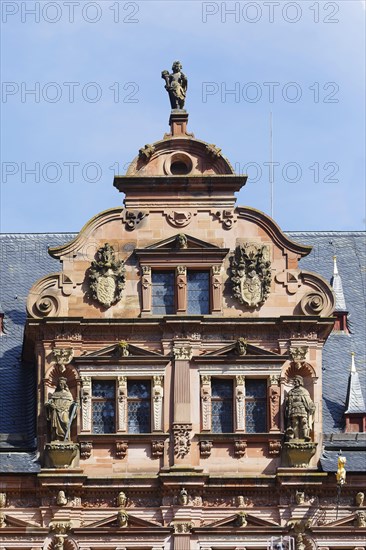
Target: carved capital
[(274, 380), (181, 270), (182, 353), (298, 355), (182, 528)]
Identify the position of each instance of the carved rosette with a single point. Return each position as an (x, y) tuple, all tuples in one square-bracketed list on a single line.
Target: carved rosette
[(239, 401), (158, 392), (86, 406), (206, 402), (106, 277), (251, 274), (122, 403), (182, 442)]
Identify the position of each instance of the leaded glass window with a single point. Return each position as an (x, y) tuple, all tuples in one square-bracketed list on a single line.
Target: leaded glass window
[(139, 406), (163, 300), (222, 405), (103, 406), (255, 406), (198, 284)]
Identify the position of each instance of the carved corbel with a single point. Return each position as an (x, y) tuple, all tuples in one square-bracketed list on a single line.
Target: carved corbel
[(157, 448), (181, 285), (240, 448), (239, 402), (206, 402), (86, 406), (121, 449), (205, 448), (63, 356), (86, 448), (158, 392), (122, 404), (146, 288), (274, 447)]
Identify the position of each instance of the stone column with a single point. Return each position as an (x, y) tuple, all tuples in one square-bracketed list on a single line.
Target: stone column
[(216, 289), (181, 286), (239, 403), (146, 289), (182, 425), (274, 401), (122, 404), (158, 403), (86, 405), (206, 402)]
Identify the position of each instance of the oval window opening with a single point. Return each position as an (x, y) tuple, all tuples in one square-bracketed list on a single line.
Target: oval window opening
[(179, 168)]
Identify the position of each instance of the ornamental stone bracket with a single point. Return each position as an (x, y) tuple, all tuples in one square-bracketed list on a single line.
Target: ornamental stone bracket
[(60, 531), (106, 277), (240, 448), (274, 447), (157, 448), (121, 449), (86, 448), (63, 357), (182, 527), (227, 218), (251, 274), (299, 453), (205, 448), (132, 218), (182, 441), (61, 454)]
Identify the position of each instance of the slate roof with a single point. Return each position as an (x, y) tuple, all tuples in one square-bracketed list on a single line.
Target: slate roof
[(24, 259)]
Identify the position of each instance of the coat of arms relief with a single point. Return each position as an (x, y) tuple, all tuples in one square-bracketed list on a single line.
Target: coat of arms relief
[(251, 274), (106, 277)]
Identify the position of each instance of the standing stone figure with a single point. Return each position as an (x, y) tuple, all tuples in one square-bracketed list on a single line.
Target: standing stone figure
[(58, 410), (176, 85), (299, 411)]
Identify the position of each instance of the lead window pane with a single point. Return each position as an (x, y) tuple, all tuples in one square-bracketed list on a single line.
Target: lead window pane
[(255, 406), (139, 406), (222, 405), (163, 300), (103, 406), (198, 286)]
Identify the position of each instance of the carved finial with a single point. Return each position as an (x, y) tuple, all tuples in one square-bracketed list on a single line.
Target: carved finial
[(336, 282), (176, 85)]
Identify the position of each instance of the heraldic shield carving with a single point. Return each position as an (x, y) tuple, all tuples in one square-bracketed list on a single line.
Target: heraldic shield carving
[(106, 277), (251, 274)]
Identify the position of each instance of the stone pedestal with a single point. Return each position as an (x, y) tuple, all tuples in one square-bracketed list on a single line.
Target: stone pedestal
[(299, 453), (60, 454)]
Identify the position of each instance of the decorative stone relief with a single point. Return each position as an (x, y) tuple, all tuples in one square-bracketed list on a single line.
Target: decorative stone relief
[(59, 529), (121, 449), (122, 403), (206, 402), (146, 287), (182, 353), (61, 499), (121, 499), (241, 520), (241, 346), (63, 356), (360, 518), (157, 448), (227, 218), (106, 277), (147, 151), (251, 274), (2, 520), (274, 379), (179, 218), (316, 303), (132, 218), (181, 285), (182, 442), (183, 497), (182, 528), (359, 499), (298, 355), (240, 448), (300, 497), (239, 401), (121, 350), (274, 392), (274, 447), (86, 448), (216, 288), (158, 391), (289, 279), (122, 519), (205, 448), (2, 500), (181, 241), (86, 407)]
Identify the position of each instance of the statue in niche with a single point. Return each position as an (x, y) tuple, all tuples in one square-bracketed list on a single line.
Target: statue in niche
[(299, 411), (61, 411), (251, 274), (176, 85), (300, 497)]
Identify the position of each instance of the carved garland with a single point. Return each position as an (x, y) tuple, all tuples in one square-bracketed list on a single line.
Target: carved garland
[(251, 274)]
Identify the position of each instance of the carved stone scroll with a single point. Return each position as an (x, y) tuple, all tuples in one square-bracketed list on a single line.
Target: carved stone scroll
[(86, 405), (239, 402), (122, 404), (251, 274), (158, 392), (206, 402), (227, 218)]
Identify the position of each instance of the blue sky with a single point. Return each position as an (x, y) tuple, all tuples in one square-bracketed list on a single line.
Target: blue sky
[(309, 54)]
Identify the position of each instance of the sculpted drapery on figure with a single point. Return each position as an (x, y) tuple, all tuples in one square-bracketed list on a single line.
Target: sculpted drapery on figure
[(60, 411), (299, 411), (176, 85)]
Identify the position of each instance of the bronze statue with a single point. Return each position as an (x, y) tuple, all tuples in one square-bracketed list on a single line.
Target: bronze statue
[(299, 410), (176, 85), (60, 411)]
